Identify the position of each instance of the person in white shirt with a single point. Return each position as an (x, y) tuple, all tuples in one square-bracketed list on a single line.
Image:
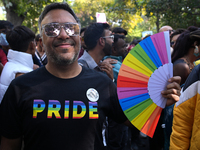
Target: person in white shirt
[(21, 42)]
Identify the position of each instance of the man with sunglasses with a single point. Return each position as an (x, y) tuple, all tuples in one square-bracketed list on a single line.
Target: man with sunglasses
[(57, 106)]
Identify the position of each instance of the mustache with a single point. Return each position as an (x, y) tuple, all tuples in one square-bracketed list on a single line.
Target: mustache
[(65, 41)]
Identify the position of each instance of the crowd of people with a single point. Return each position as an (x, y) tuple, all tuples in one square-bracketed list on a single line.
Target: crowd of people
[(58, 88)]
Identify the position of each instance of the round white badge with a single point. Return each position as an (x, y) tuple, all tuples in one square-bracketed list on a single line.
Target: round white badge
[(92, 95)]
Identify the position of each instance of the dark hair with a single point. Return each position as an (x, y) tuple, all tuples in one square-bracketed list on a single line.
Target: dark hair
[(176, 32), (192, 28), (93, 33), (148, 35), (186, 41), (19, 38), (135, 42), (119, 30), (117, 37), (6, 25), (54, 6), (37, 38), (83, 29)]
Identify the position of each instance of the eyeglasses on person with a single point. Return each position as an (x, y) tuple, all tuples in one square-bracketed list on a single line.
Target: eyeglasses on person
[(171, 31), (172, 43), (111, 36), (53, 29)]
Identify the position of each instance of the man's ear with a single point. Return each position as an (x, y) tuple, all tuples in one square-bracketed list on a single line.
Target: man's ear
[(31, 48), (102, 41)]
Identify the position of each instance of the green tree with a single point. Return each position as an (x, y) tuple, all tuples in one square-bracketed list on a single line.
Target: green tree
[(25, 12), (176, 13), (86, 10), (130, 18), (182, 13), (117, 13)]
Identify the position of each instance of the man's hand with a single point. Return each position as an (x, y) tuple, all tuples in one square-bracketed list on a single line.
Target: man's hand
[(173, 90), (35, 66), (107, 67), (110, 61)]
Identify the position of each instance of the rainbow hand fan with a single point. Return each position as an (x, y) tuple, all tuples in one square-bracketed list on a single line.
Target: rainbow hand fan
[(143, 75)]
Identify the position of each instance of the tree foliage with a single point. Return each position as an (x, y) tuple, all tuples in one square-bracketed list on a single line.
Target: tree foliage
[(183, 13), (25, 12), (86, 10), (116, 12), (127, 16), (176, 13), (133, 15)]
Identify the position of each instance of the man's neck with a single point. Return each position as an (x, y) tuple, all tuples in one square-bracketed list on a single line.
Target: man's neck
[(41, 51), (64, 72), (96, 55)]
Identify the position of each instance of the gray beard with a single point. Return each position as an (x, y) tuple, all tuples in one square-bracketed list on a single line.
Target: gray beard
[(58, 60)]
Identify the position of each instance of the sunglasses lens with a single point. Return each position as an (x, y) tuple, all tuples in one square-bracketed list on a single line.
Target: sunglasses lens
[(71, 29), (52, 30)]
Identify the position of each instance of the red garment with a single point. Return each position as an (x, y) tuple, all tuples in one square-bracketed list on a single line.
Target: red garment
[(130, 47), (3, 57)]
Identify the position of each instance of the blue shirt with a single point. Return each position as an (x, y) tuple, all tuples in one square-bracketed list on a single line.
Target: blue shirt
[(116, 66)]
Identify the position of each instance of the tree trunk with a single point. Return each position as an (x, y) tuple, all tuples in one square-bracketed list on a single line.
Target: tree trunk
[(12, 16), (157, 22)]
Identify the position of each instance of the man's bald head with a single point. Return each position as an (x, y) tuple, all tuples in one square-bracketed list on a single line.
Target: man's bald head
[(165, 28)]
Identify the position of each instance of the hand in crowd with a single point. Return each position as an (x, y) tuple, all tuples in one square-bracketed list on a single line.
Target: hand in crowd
[(35, 66), (110, 61), (106, 66), (172, 93)]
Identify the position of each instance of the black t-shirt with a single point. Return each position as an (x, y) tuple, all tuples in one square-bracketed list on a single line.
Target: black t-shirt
[(53, 113)]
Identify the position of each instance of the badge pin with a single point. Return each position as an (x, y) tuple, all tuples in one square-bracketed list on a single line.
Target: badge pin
[(92, 95)]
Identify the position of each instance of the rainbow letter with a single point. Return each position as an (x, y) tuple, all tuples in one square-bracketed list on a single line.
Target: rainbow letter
[(38, 106), (75, 110), (92, 109), (66, 116), (52, 109)]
